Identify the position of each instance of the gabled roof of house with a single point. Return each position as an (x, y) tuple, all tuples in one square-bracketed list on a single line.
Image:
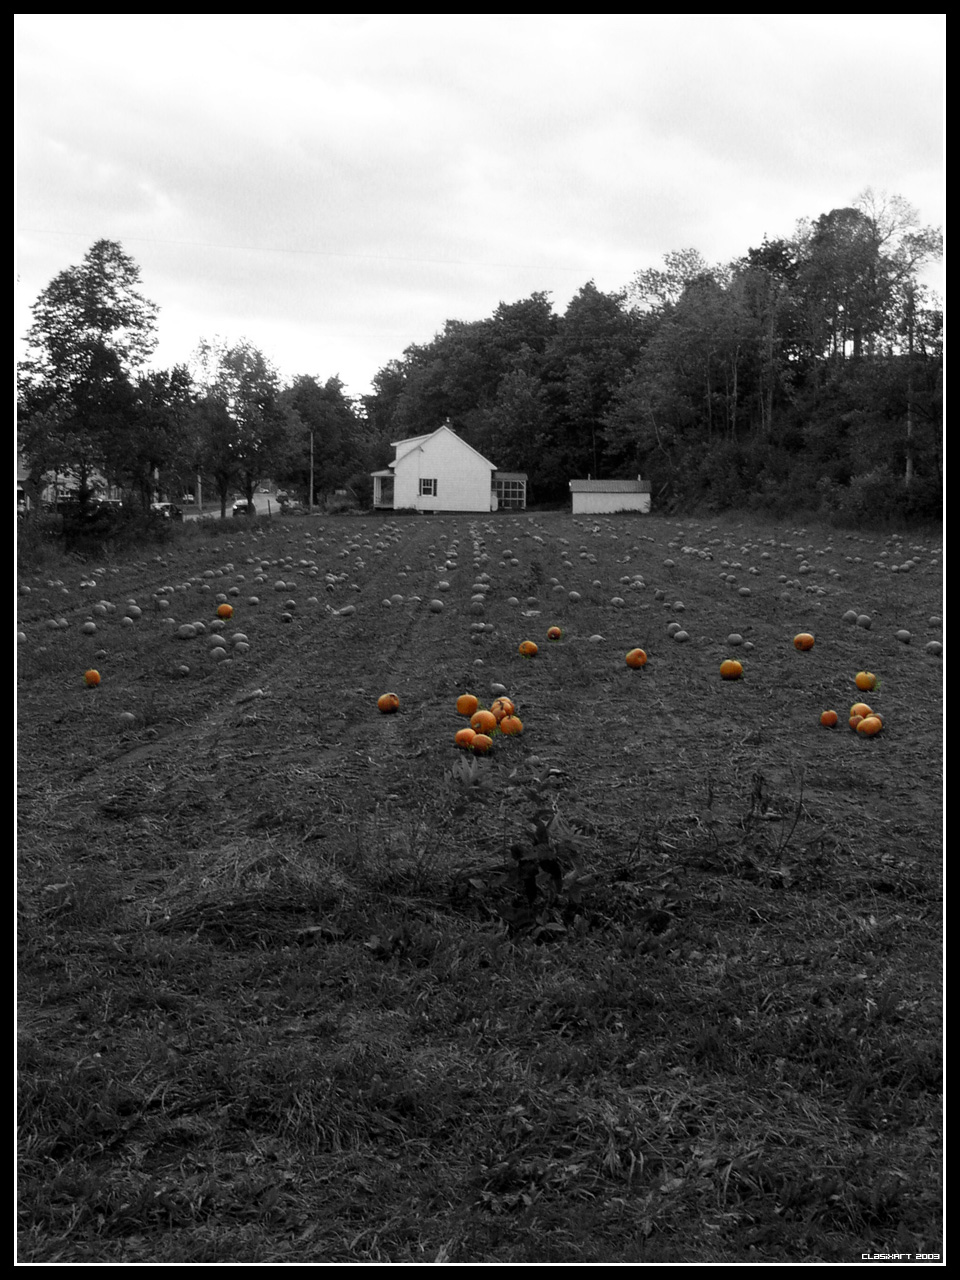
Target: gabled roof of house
[(609, 486), (403, 447)]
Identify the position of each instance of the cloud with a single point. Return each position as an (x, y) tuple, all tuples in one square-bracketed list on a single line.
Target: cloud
[(337, 186)]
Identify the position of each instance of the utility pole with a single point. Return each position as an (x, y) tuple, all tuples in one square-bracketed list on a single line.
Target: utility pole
[(310, 507), (911, 302)]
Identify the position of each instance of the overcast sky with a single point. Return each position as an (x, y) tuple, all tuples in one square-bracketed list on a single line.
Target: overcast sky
[(333, 188)]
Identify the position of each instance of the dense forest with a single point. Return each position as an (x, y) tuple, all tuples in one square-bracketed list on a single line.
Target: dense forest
[(807, 374)]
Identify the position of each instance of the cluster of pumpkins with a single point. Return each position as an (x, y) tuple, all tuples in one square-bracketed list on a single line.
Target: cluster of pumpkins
[(500, 717), (862, 719)]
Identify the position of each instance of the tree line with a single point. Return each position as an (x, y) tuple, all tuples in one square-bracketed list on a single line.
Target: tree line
[(805, 374), (89, 411)]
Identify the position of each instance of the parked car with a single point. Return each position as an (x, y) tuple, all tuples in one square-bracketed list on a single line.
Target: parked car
[(166, 511), (188, 500), (244, 508)]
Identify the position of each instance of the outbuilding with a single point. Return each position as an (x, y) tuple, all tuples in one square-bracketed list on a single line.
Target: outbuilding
[(441, 472), (604, 497)]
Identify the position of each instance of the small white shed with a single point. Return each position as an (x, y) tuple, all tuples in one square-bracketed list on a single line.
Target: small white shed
[(437, 472), (604, 497)]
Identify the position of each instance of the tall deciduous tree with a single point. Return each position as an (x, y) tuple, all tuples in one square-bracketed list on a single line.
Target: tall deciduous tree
[(243, 423), (596, 345), (324, 418), (656, 289), (92, 330), (154, 452)]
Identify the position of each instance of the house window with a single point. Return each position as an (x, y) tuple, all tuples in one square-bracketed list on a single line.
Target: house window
[(428, 488)]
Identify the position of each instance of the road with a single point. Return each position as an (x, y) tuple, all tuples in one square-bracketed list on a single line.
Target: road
[(265, 503)]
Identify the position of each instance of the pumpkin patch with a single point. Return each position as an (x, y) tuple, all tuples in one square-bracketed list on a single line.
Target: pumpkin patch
[(554, 893)]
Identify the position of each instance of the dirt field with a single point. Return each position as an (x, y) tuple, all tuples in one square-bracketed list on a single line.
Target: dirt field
[(657, 979)]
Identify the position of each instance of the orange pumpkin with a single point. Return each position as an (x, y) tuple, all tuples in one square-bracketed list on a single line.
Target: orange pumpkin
[(502, 707), (855, 720), (829, 719), (528, 649), (225, 611), (860, 709), (464, 737), (869, 726), (92, 678), (467, 704), (483, 721), (388, 703), (554, 633), (482, 742), (803, 641), (731, 669), (865, 681), (511, 725), (636, 658)]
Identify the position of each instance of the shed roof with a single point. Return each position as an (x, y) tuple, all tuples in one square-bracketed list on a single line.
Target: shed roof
[(610, 486)]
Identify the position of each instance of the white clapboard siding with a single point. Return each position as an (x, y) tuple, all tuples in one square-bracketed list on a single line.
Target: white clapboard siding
[(461, 478)]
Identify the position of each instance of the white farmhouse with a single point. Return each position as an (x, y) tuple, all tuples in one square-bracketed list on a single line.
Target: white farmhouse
[(603, 497), (441, 472)]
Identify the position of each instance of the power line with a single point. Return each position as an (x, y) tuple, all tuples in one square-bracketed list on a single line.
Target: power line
[(317, 253)]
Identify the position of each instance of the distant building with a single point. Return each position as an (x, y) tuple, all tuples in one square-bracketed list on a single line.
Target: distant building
[(56, 486), (604, 497), (441, 472)]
